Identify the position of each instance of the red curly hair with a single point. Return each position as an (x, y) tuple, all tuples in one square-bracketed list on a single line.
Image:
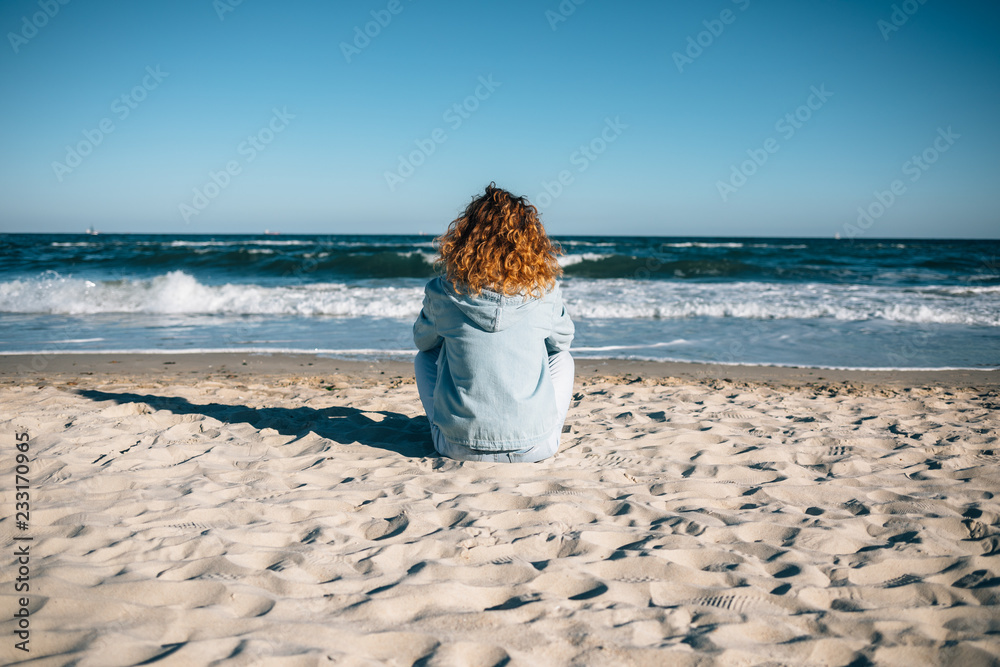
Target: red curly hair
[(499, 244)]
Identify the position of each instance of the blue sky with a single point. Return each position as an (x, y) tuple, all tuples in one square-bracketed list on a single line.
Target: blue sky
[(395, 134)]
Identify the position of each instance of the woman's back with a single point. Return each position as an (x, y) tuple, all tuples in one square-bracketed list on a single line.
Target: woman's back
[(493, 386), (494, 370)]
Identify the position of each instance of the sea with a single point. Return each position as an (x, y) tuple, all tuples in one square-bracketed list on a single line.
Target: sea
[(821, 303)]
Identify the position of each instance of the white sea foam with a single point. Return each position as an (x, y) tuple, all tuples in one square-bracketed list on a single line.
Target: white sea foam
[(180, 293), (428, 257), (634, 299), (235, 242), (618, 348), (700, 244), (569, 260)]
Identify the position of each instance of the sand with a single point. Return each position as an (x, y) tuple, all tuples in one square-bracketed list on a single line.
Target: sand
[(193, 510)]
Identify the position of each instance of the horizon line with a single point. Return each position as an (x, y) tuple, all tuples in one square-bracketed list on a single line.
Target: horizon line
[(645, 236)]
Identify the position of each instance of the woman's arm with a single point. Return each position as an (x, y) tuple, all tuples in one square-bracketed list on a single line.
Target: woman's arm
[(425, 334), (562, 326)]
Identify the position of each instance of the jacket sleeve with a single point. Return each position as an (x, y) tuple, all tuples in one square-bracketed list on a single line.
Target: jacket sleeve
[(562, 326), (425, 334)]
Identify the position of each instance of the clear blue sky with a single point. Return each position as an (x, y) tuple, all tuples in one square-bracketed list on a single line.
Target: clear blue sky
[(557, 86)]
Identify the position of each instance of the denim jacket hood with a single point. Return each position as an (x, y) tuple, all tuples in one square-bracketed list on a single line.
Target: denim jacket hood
[(489, 310)]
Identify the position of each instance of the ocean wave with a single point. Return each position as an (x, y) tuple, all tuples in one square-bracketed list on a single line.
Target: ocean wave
[(569, 260), (203, 244), (955, 290), (597, 266), (637, 299), (638, 346), (357, 257), (595, 244), (770, 311), (701, 244), (258, 260), (178, 292)]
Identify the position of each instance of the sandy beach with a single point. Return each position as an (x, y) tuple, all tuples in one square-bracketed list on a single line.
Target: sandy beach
[(288, 510)]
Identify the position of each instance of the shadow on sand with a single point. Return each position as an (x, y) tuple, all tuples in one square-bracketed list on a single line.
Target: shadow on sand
[(408, 436)]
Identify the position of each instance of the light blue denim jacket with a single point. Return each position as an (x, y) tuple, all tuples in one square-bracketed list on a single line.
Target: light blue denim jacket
[(493, 389)]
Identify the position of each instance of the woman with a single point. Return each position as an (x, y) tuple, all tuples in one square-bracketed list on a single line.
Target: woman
[(494, 370)]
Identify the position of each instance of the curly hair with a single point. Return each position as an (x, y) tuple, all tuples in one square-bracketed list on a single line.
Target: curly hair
[(499, 243)]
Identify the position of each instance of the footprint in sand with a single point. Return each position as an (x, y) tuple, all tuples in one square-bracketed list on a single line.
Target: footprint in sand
[(978, 579), (856, 507), (466, 654), (517, 602), (738, 414), (741, 604), (616, 461), (904, 580), (680, 526), (380, 529), (570, 586)]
